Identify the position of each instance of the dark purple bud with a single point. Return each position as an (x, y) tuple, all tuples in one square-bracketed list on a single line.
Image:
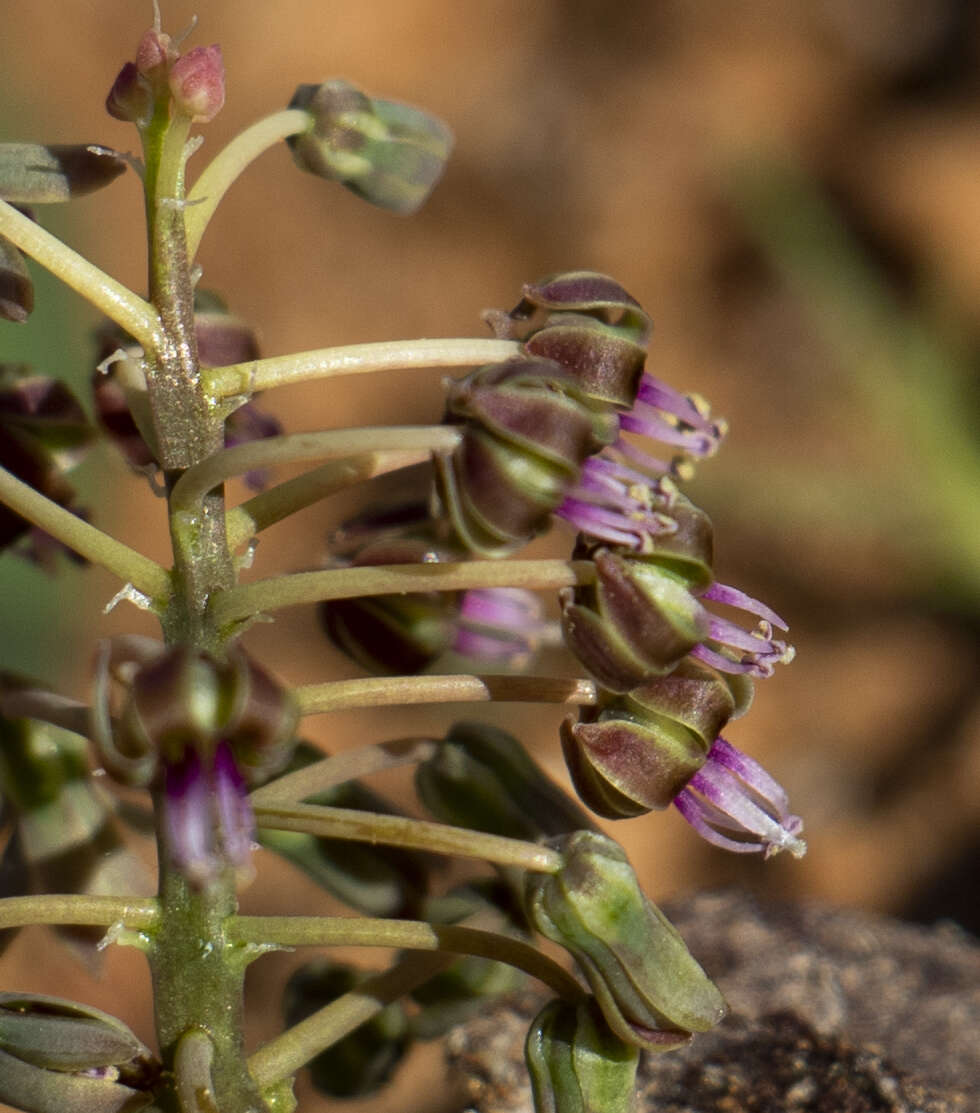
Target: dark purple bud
[(527, 429), (130, 98), (197, 83), (589, 325), (638, 619), (635, 752), (394, 634), (16, 287), (43, 431)]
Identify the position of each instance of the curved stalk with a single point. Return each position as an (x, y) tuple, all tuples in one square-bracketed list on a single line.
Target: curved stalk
[(341, 768), (244, 379), (412, 834), (409, 935), (292, 590), (196, 481), (390, 691), (136, 913), (144, 574), (229, 162), (279, 502), (112, 298)]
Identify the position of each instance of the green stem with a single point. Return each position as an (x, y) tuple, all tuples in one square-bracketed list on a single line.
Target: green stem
[(341, 768), (244, 379), (392, 691), (409, 935), (392, 579), (198, 980), (412, 834), (280, 1058), (279, 502), (115, 300), (228, 163), (194, 484), (130, 566), (135, 913)]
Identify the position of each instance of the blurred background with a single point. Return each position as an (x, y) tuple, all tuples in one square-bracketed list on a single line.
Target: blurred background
[(790, 190)]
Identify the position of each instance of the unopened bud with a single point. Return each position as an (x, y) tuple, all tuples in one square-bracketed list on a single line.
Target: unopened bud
[(637, 751), (130, 98), (651, 991), (482, 778), (197, 83), (587, 323), (527, 429), (16, 287), (576, 1063), (57, 1055), (389, 154)]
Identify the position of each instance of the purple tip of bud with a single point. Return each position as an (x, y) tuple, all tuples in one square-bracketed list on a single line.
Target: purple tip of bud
[(499, 625), (735, 804), (209, 821), (732, 649), (236, 821), (197, 82), (189, 827)]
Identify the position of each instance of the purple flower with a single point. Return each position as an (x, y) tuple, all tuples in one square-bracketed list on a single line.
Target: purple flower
[(734, 803), (730, 648), (624, 493), (208, 817), (500, 626)]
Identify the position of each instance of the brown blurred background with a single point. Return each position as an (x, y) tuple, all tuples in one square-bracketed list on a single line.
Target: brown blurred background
[(791, 190)]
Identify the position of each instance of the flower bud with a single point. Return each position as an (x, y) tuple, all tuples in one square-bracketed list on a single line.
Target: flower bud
[(130, 99), (41, 174), (527, 429), (587, 323), (16, 287), (185, 700), (483, 778), (636, 621), (389, 154), (394, 634), (362, 1062), (57, 1055), (651, 991), (197, 83), (636, 752), (43, 431), (576, 1064)]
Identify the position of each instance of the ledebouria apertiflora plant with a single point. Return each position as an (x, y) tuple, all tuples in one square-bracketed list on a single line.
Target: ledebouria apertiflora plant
[(551, 421)]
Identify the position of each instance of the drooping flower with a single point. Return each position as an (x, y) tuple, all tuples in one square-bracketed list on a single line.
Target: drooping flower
[(735, 804)]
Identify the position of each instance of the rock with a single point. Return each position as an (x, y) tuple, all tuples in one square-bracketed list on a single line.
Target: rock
[(832, 1011)]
